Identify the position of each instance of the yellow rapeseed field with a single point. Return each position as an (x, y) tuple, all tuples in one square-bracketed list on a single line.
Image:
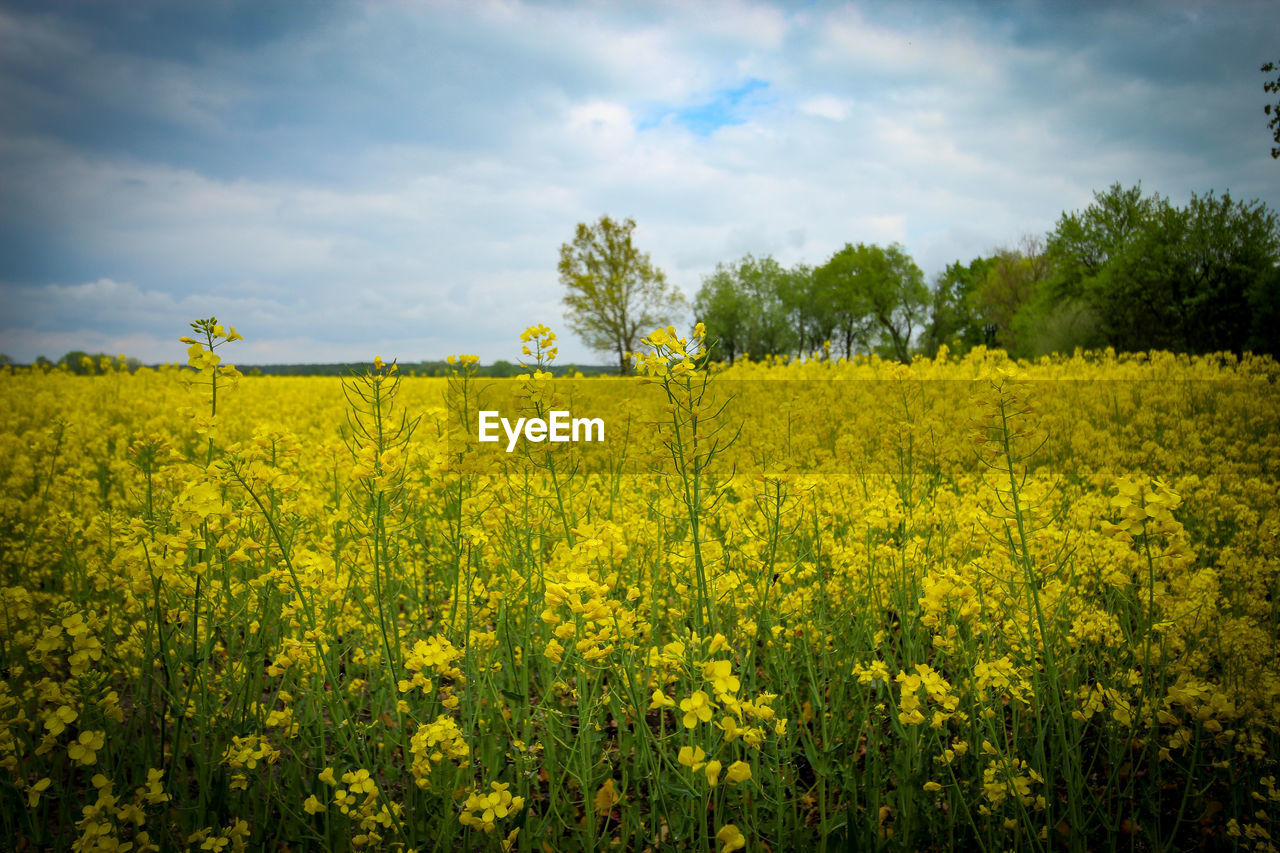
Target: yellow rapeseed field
[(961, 604)]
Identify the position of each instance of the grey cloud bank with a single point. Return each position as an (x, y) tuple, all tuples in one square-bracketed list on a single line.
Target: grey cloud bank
[(351, 179)]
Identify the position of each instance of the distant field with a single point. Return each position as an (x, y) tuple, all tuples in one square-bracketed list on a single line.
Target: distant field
[(964, 604)]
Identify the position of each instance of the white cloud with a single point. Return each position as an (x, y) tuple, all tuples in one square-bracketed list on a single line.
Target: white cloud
[(827, 106), (604, 128)]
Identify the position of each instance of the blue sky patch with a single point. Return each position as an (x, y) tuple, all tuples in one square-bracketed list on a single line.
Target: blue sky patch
[(725, 108)]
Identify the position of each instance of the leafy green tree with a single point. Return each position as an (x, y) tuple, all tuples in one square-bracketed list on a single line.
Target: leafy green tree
[(1264, 308), (1006, 292), (953, 319), (722, 306), (839, 300), (75, 362), (1093, 254), (877, 295), (502, 369), (1220, 258), (1156, 276), (615, 294), (1082, 243), (744, 307), (1272, 87), (809, 315), (766, 281), (82, 363)]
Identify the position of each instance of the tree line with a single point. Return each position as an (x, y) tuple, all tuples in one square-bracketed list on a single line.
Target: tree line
[(1131, 271), (79, 362), (84, 364)]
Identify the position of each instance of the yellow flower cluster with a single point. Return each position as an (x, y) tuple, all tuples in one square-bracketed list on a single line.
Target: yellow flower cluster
[(969, 603), (433, 743), (483, 809)]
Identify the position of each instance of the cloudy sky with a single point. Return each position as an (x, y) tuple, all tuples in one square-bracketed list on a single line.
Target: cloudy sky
[(347, 179)]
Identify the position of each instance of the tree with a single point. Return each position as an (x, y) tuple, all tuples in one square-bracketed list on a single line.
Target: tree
[(502, 369), (615, 294), (808, 313), (1272, 87), (878, 296), (1264, 308), (1221, 263), (1158, 276), (838, 299), (744, 309), (1106, 257), (722, 306), (1007, 290), (953, 319), (82, 363)]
